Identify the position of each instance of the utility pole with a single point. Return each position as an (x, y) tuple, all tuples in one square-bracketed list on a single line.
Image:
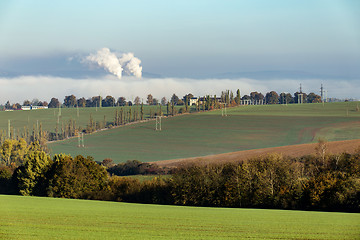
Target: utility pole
[(82, 138), (223, 111), (9, 128), (158, 123), (326, 96), (322, 93)]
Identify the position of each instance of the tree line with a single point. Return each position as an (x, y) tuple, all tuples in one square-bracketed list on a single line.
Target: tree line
[(227, 96), (315, 182)]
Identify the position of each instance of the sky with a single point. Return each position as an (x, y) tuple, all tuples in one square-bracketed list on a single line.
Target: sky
[(194, 40)]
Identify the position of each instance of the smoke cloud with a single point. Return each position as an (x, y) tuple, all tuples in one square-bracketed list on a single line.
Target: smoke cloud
[(131, 64), (116, 63)]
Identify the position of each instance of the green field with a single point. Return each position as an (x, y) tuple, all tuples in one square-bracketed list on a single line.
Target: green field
[(49, 117), (206, 133), (50, 218)]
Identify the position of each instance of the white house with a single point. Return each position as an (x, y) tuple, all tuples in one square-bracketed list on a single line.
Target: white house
[(33, 107), (193, 101)]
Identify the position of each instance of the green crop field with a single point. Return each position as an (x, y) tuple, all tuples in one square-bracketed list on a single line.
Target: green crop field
[(49, 117), (51, 218), (206, 133)]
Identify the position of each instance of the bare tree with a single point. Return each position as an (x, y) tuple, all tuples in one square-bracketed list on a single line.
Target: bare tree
[(163, 101), (137, 100)]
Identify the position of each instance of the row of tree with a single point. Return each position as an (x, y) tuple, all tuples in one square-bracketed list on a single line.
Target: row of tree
[(319, 182), (227, 96)]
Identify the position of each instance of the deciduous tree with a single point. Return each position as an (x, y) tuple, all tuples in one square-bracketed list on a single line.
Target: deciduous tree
[(137, 100), (174, 99), (272, 98), (163, 101), (81, 102), (150, 99), (30, 176), (77, 177), (70, 101), (109, 101), (121, 101)]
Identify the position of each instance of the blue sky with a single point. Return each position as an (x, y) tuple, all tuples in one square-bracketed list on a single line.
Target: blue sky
[(198, 37), (185, 39)]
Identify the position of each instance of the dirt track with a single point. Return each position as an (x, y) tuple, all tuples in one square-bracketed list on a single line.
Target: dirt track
[(294, 151)]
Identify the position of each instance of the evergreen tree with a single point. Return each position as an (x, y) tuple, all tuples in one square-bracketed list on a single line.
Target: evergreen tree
[(237, 98), (116, 120), (121, 117), (142, 111), (168, 109), (130, 114)]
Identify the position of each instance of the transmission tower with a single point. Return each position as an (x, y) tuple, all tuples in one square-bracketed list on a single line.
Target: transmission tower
[(300, 96), (158, 123)]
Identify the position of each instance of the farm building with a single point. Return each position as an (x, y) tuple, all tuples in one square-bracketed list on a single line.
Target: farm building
[(33, 107), (193, 101)]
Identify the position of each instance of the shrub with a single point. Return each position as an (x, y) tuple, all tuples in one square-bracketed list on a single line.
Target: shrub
[(75, 178)]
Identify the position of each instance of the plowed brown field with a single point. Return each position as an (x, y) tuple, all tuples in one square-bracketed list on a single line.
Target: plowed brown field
[(349, 146)]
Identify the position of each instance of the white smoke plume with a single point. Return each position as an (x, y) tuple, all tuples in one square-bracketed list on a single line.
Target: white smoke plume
[(131, 64), (108, 60), (116, 64)]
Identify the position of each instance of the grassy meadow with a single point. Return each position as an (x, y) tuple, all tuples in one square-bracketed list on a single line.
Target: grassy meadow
[(51, 218), (206, 133)]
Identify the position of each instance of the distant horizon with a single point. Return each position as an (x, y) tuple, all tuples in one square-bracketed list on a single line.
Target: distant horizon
[(45, 87)]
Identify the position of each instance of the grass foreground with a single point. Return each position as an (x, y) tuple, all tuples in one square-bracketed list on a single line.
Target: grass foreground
[(51, 218)]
